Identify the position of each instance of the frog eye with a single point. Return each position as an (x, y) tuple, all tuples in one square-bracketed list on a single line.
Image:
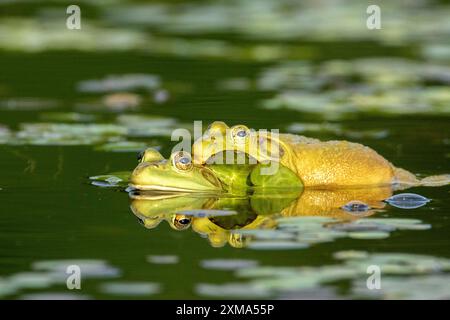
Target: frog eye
[(182, 161), (239, 133), (181, 222)]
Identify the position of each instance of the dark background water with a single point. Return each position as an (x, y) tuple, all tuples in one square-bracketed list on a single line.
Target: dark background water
[(49, 210)]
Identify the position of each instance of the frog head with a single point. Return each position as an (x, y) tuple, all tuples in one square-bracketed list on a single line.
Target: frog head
[(177, 174), (220, 143)]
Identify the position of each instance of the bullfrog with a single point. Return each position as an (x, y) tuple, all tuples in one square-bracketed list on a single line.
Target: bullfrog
[(180, 174), (318, 164)]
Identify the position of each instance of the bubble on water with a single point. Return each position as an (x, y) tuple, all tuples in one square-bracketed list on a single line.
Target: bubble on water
[(161, 96), (130, 288), (407, 201), (228, 264), (356, 207)]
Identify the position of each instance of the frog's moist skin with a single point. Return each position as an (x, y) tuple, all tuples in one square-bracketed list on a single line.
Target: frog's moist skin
[(177, 174), (330, 164)]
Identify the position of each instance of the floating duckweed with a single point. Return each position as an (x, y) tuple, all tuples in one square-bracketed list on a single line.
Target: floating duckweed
[(7, 288), (379, 89), (201, 213), (407, 201), (31, 280), (163, 259), (27, 104), (130, 288), (350, 254), (148, 126), (266, 234), (368, 235), (113, 83), (279, 280), (68, 134), (116, 179), (5, 134), (53, 296), (231, 290), (314, 230), (123, 146), (121, 101), (228, 264), (304, 219), (276, 245), (432, 287), (68, 117), (90, 268), (332, 21)]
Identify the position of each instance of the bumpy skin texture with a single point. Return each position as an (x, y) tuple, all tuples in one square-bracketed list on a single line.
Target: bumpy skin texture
[(330, 164), (334, 163)]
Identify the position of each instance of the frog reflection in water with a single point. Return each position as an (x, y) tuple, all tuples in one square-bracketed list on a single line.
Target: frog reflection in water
[(256, 211)]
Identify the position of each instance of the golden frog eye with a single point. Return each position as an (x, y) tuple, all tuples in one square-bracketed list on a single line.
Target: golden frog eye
[(181, 222), (239, 133), (182, 161)]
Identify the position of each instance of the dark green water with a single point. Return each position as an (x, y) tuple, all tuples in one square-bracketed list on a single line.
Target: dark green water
[(50, 211)]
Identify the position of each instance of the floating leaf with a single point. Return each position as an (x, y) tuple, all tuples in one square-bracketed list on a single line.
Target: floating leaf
[(116, 179), (54, 296), (120, 83), (123, 146), (89, 268), (368, 235), (68, 117), (166, 259), (227, 264), (200, 213), (276, 245), (130, 288), (230, 290)]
